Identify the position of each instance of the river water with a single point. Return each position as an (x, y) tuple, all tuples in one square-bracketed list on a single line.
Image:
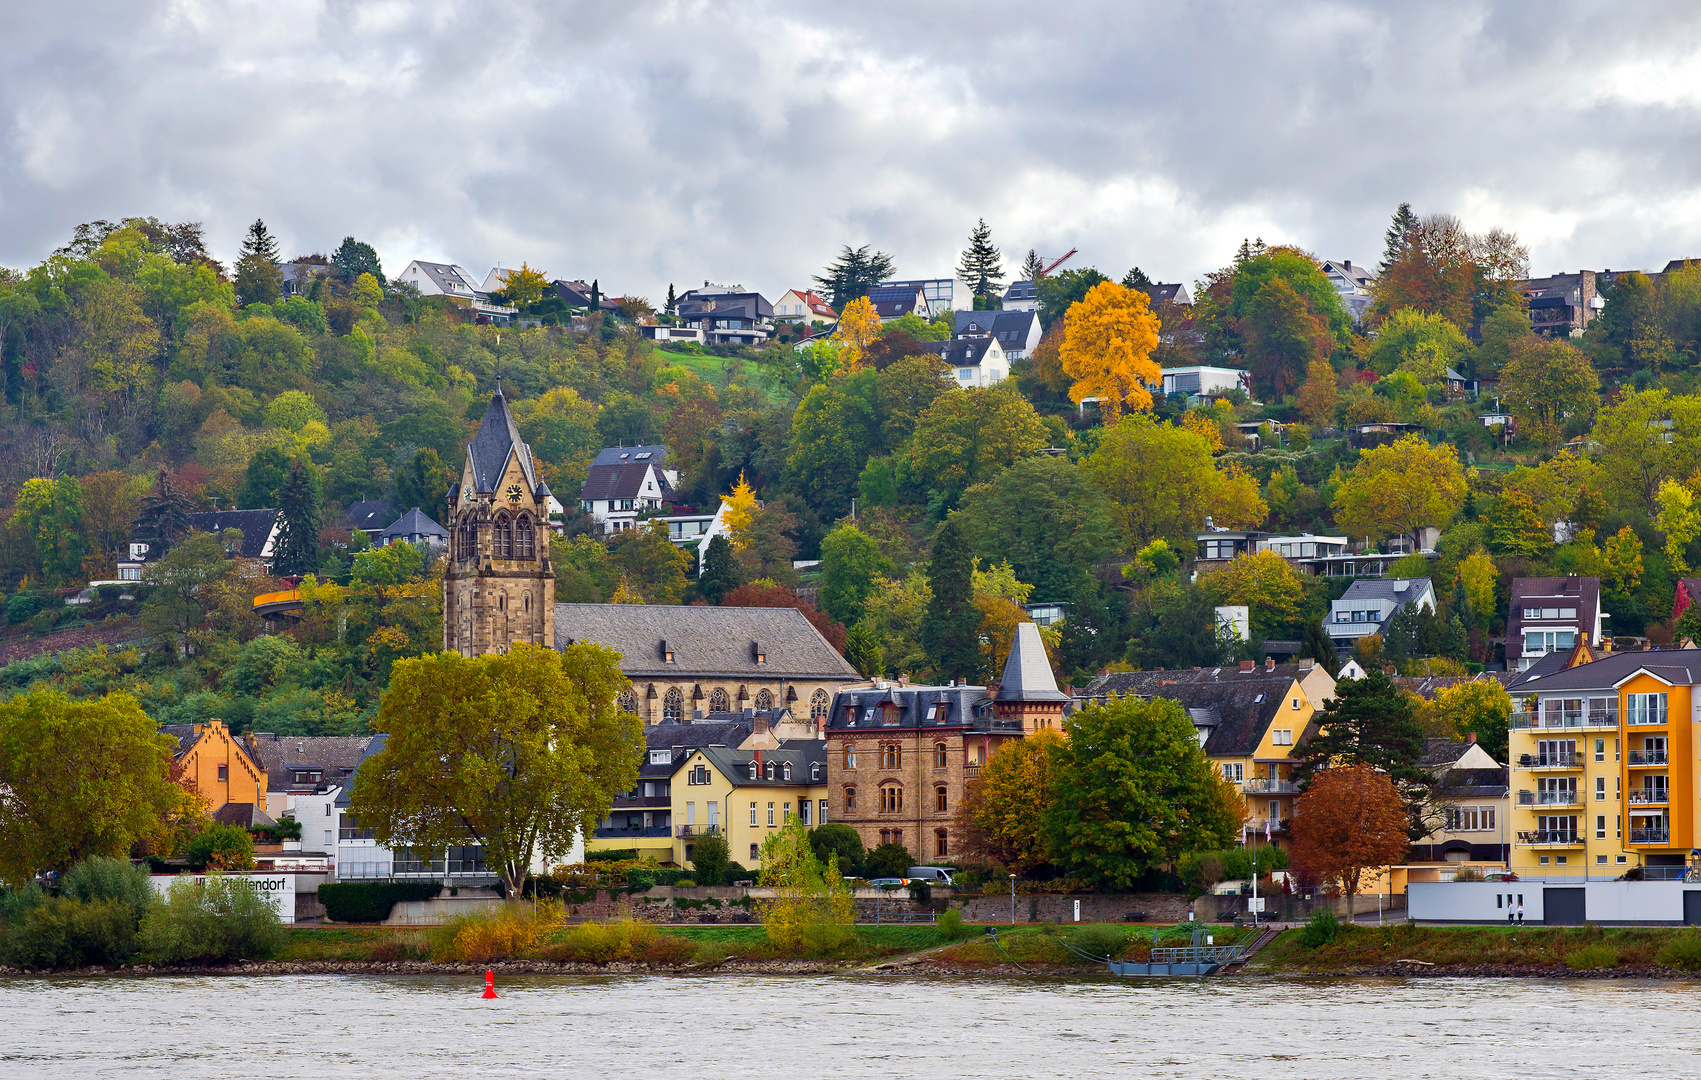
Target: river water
[(801, 1028)]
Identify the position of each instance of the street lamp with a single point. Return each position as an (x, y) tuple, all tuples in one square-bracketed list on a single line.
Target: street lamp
[(1012, 899)]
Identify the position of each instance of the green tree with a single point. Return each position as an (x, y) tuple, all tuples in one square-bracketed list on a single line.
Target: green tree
[(1063, 290), (850, 561), (1517, 526), (562, 431), (518, 752), (981, 266), (710, 858), (354, 258), (1505, 327), (49, 513), (82, 778), (297, 546), (1004, 811), (293, 410), (1480, 707), (651, 563), (948, 634), (1394, 240), (184, 589), (1132, 791), (969, 436), (1301, 274), (1176, 627), (1425, 345), (853, 273), (720, 574), (1400, 489), (838, 841), (834, 431), (1369, 722), (1317, 646), (1283, 338), (1047, 518), (424, 483), (220, 847), (1546, 382), (268, 472), (863, 650), (258, 278), (1162, 483)]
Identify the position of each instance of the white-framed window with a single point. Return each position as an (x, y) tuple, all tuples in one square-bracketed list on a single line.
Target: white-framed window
[(752, 813), (1234, 770), (1470, 819), (1542, 642), (1281, 736), (821, 818), (770, 815), (1645, 708), (661, 757)]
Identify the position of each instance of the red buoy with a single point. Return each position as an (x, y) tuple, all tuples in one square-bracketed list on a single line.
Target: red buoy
[(490, 984)]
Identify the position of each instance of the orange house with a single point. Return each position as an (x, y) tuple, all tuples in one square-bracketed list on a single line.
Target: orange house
[(211, 763)]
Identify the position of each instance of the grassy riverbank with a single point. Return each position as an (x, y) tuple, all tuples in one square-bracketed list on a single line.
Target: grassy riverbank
[(1486, 950)]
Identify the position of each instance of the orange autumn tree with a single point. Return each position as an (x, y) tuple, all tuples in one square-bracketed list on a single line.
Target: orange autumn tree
[(1002, 815), (1108, 341), (1348, 823)]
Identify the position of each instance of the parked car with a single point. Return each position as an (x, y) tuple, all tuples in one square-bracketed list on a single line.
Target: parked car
[(888, 883), (933, 875)]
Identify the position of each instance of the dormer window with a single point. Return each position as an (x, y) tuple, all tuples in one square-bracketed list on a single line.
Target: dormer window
[(752, 770), (666, 653), (785, 771), (758, 652), (661, 757), (769, 771), (815, 771)]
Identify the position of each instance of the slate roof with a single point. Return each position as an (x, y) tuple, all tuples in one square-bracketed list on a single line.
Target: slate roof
[(1443, 751), (1009, 327), (734, 764), (1383, 589), (413, 523), (960, 352), (622, 480), (705, 641), (370, 515), (449, 278), (244, 815), (1584, 592), (1027, 672), (1021, 290), (1550, 664), (335, 756), (1238, 706), (915, 704), (1681, 667), (1427, 686), (372, 747), (614, 455), (497, 437), (1475, 783), (256, 526), (1168, 292)]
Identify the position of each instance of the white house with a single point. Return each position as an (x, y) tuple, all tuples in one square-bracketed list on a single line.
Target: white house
[(1368, 606), (1354, 284), (1205, 381), (895, 301), (1017, 332), (1021, 296), (457, 283), (625, 482), (975, 361), (804, 308), (696, 530)]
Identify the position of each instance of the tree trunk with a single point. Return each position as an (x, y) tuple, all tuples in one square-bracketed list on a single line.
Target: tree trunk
[(1349, 885)]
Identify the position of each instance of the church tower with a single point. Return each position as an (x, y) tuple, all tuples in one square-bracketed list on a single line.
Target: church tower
[(499, 588), (1028, 692)]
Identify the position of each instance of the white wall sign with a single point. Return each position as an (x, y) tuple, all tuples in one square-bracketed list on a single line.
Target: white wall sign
[(277, 889)]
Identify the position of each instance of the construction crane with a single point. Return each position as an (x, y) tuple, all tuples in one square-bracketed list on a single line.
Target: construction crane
[(1066, 257)]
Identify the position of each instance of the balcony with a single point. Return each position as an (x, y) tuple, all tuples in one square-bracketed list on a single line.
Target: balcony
[(1549, 798), (1649, 797), (1259, 786), (1550, 761), (1568, 719), (1650, 836), (1551, 838), (1637, 759), (635, 833), (693, 832)]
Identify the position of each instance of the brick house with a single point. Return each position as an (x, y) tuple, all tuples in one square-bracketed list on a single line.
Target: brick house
[(900, 757)]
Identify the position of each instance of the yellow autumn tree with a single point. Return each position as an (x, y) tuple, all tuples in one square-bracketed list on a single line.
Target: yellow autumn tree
[(1204, 425), (525, 285), (1477, 576), (1317, 394), (1401, 488), (1107, 349), (858, 326), (1002, 814), (740, 512)]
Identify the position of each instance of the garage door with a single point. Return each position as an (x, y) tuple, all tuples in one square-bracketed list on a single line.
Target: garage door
[(1562, 907), (1692, 907)]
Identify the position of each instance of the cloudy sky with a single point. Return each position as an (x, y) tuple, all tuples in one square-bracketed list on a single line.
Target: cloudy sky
[(654, 143)]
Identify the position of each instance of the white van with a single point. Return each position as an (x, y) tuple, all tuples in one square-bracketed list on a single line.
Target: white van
[(933, 875)]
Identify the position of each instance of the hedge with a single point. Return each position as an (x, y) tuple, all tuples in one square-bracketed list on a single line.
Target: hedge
[(371, 901)]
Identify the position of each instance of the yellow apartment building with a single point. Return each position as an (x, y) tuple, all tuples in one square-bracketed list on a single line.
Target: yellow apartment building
[(1603, 766)]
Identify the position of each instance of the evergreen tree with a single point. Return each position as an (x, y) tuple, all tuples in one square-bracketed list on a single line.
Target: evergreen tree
[(1370, 722), (354, 258), (863, 652), (1394, 240), (596, 297), (260, 243), (948, 632), (981, 266), (1136, 279), (1405, 635), (1319, 648), (268, 469), (853, 273), (1032, 267), (164, 514), (719, 575), (672, 301), (297, 551)]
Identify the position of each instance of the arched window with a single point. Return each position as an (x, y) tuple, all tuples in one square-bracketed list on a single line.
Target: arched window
[(764, 700), (753, 776), (769, 771), (891, 756), (467, 546), (941, 799), (940, 756), (818, 704), (525, 543), (628, 702), (502, 546), (718, 701), (891, 799), (941, 843), (850, 757), (673, 705), (528, 602), (785, 770), (501, 603), (850, 798), (815, 770), (889, 715)]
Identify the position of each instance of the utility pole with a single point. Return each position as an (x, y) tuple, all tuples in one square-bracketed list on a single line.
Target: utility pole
[(1012, 899)]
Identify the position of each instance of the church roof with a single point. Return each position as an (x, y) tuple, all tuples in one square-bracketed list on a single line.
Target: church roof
[(497, 437), (704, 641), (1027, 672)]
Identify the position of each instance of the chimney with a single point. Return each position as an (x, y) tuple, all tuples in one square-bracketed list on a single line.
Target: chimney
[(1307, 664), (992, 689), (1247, 665), (761, 725), (1471, 738), (1269, 663), (749, 713)]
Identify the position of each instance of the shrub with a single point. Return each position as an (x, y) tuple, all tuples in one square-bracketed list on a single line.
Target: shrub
[(100, 878), (482, 936), (220, 847), (1100, 940), (612, 855), (710, 858), (685, 883), (214, 918), (22, 606), (1320, 929), (836, 838), (887, 860), (1682, 952), (640, 880), (371, 901), (921, 891), (710, 954), (1589, 957), (951, 925), (624, 940), (16, 903), (59, 933)]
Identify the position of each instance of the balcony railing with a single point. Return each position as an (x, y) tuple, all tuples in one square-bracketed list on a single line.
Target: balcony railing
[(1646, 757), (1649, 796), (1264, 786), (1650, 836), (1549, 798), (1550, 761), (1551, 838), (692, 832), (1569, 718), (631, 832)]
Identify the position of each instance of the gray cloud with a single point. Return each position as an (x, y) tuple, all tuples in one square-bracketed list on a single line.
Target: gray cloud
[(650, 143)]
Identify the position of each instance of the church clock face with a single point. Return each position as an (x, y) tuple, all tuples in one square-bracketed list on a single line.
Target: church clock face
[(514, 493)]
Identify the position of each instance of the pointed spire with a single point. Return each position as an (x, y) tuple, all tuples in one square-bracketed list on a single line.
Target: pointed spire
[(498, 436), (1027, 672)]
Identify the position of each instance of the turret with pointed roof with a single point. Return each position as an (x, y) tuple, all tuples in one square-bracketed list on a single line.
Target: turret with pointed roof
[(1028, 690), (499, 587)]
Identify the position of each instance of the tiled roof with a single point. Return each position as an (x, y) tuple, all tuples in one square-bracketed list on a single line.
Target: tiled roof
[(619, 481), (1385, 589), (1021, 290), (1244, 703), (914, 705), (705, 641), (614, 455), (1427, 686), (413, 523), (497, 437), (244, 815), (335, 756), (255, 525), (1582, 592), (734, 764), (370, 515), (1681, 667)]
